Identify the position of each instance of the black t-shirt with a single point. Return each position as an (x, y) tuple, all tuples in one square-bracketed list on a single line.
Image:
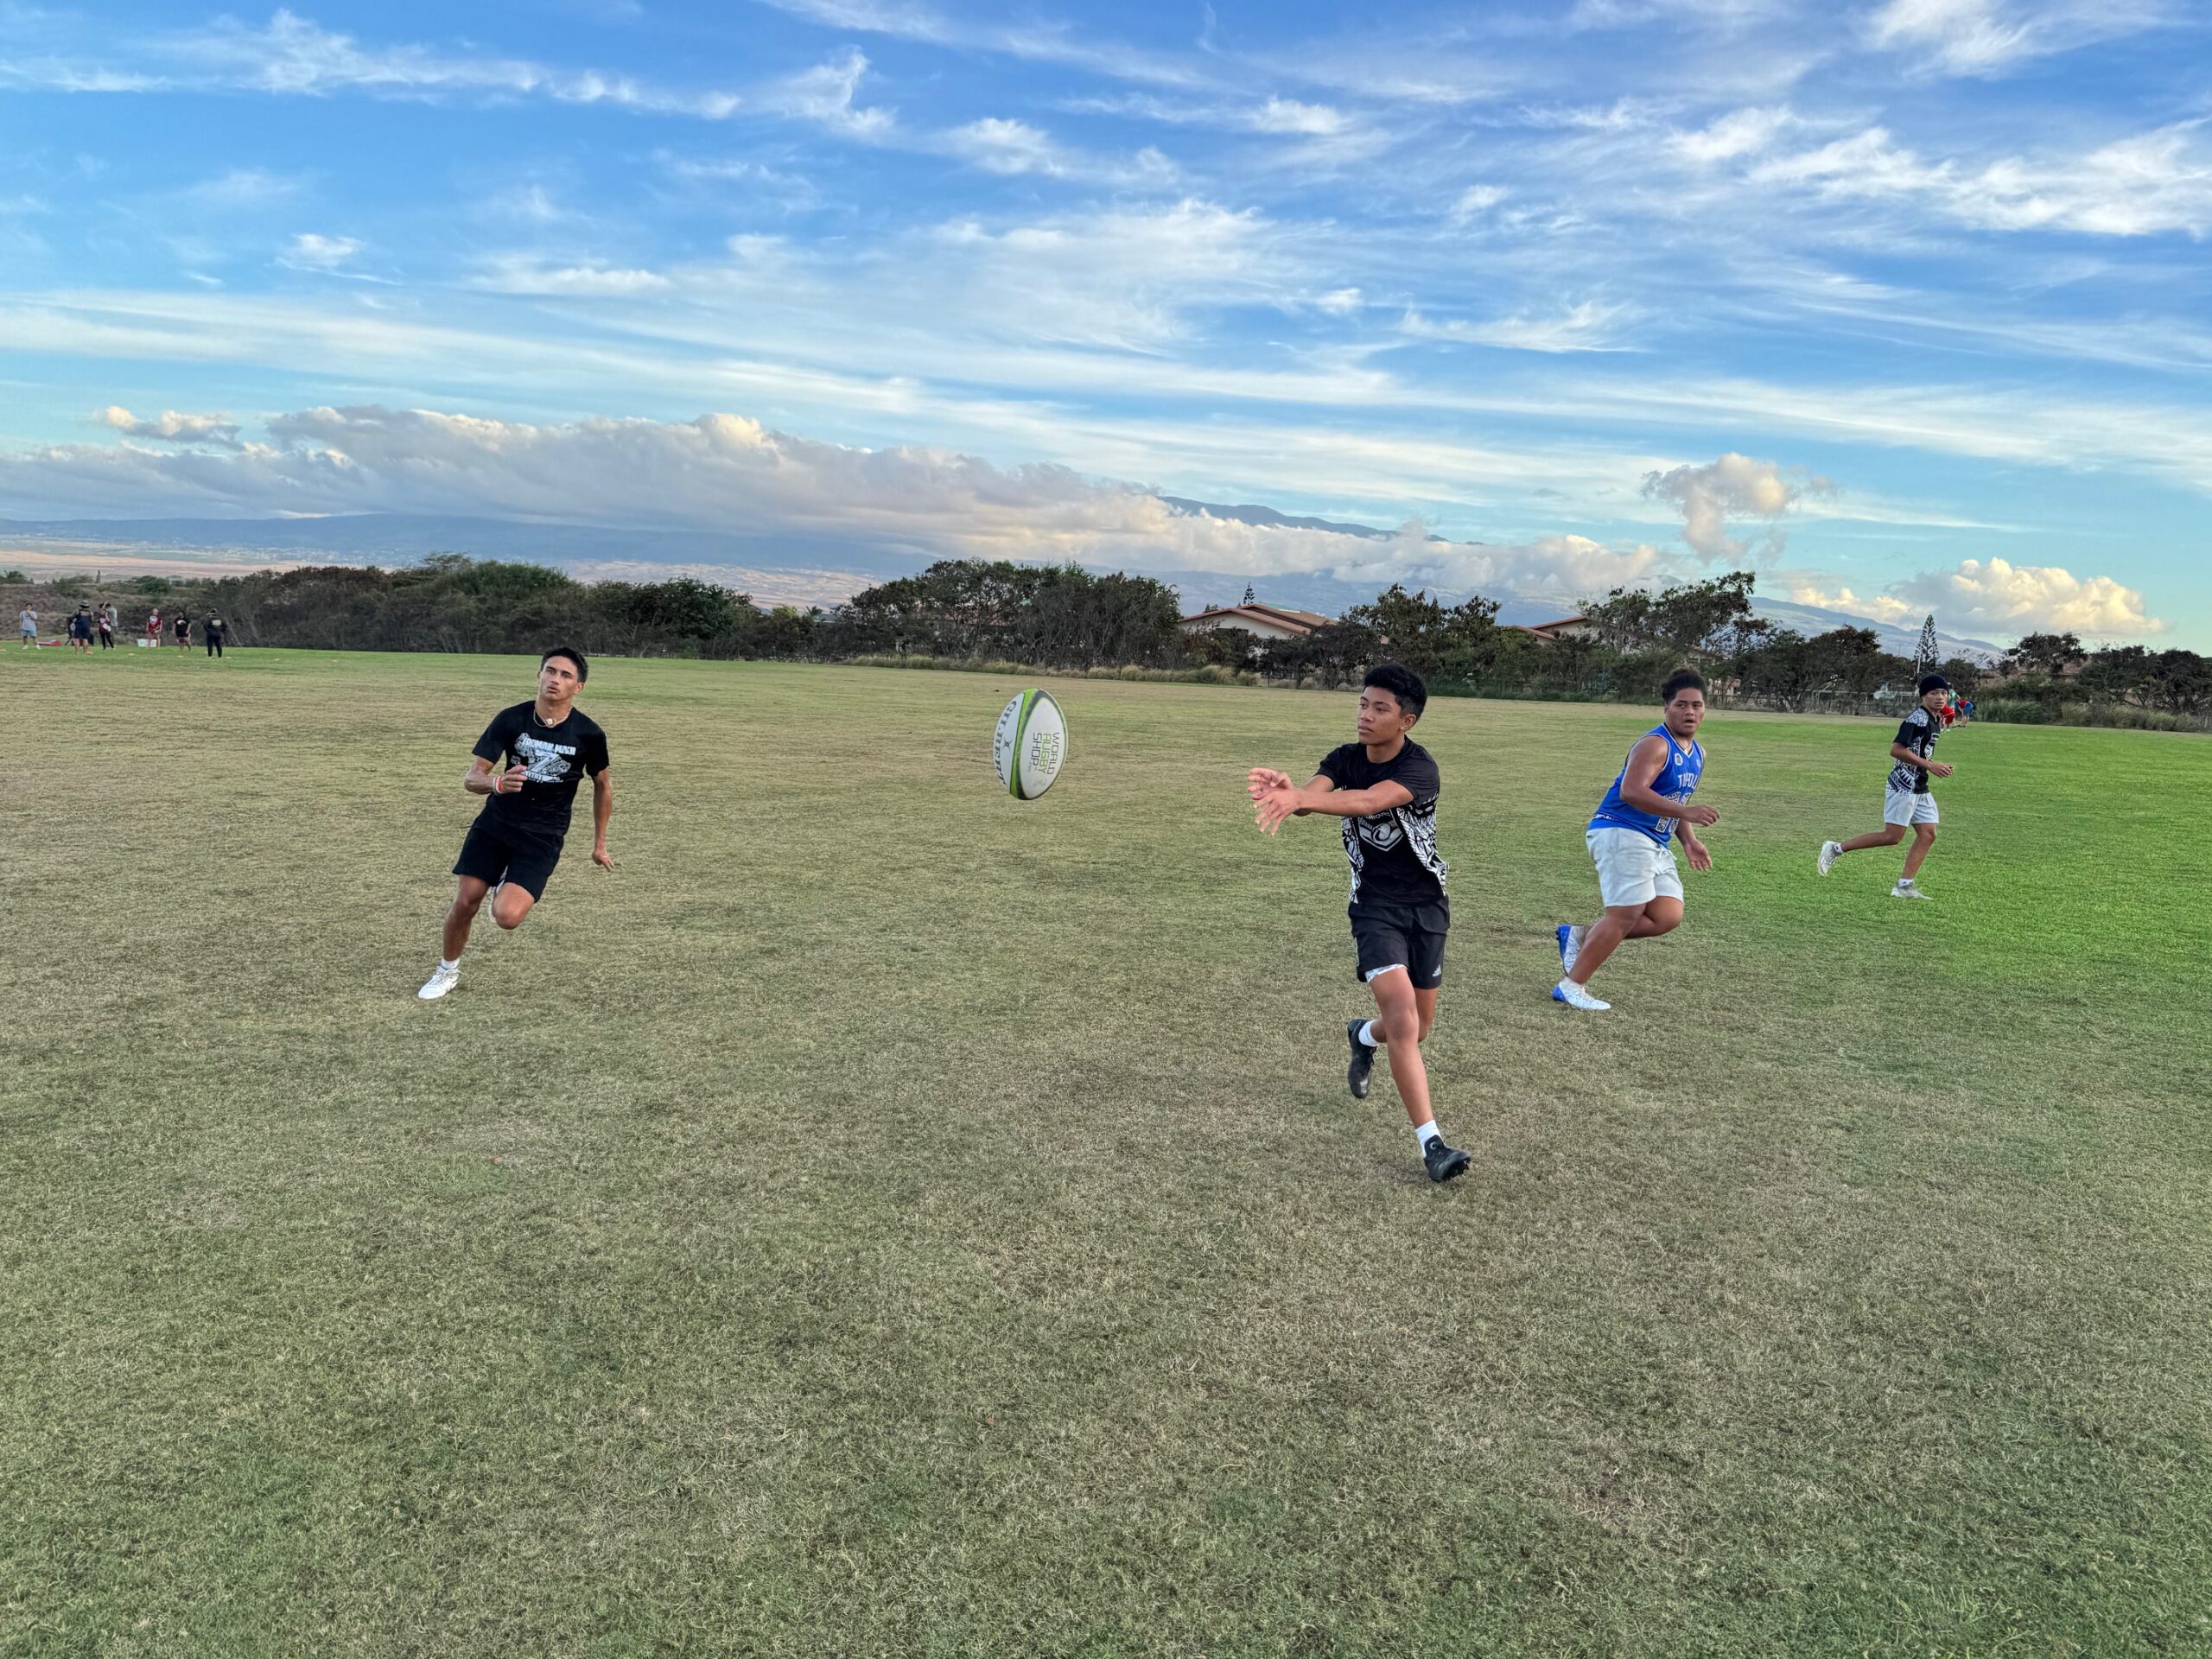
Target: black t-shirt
[(1918, 733), (557, 756), (1393, 852), (213, 631)]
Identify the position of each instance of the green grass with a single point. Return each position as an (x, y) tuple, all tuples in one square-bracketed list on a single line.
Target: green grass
[(883, 1218)]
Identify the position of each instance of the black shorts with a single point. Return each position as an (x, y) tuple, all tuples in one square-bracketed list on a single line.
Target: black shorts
[(495, 855), (1410, 936)]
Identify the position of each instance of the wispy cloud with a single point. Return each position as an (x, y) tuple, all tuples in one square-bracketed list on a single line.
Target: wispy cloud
[(310, 251), (1590, 326), (219, 431), (1988, 37)]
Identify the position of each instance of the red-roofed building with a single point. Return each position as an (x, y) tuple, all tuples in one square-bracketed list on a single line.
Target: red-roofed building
[(1260, 621)]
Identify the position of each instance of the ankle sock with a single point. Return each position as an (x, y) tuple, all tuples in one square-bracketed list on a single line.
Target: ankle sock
[(1427, 1132), (1366, 1035)]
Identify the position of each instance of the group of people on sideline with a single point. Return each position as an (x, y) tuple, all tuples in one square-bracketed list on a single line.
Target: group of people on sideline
[(102, 623)]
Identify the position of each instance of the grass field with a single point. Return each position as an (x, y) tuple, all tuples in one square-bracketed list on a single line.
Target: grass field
[(882, 1219)]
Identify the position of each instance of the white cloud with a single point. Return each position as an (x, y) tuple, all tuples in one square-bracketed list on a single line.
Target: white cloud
[(1000, 146), (1289, 116), (1741, 132), (1734, 487), (1985, 37), (825, 94), (171, 426), (724, 469), (294, 56), (2155, 181), (1475, 199), (311, 252), (1588, 326), (1341, 302), (1995, 595), (242, 188), (521, 275)]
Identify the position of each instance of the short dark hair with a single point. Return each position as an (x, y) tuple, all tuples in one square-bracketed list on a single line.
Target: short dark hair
[(583, 668), (1400, 682), (1681, 680)]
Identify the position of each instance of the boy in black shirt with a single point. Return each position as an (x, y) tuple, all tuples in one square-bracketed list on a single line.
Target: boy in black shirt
[(1384, 787), (515, 841), (1908, 802)]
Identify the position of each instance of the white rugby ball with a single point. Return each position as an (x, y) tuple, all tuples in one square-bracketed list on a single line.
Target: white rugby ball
[(1031, 745)]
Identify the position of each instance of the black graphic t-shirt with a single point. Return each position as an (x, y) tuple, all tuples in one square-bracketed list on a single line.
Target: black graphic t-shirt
[(557, 756), (1918, 733), (1393, 852)]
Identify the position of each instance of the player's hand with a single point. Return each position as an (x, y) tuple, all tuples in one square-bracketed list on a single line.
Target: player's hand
[(1700, 815), (1700, 855), (516, 776), (1274, 806), (1940, 768), (601, 857), (1263, 781)]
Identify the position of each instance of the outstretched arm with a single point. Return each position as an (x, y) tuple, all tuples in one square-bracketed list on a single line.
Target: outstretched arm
[(1278, 802)]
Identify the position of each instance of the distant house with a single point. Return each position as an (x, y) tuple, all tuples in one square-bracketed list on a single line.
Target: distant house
[(1550, 633), (1260, 621)]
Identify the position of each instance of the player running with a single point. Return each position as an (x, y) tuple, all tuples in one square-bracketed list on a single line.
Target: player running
[(1908, 802), (1628, 838), (1384, 787), (515, 841)]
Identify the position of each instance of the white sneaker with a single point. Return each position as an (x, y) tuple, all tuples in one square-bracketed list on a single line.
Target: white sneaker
[(442, 979), (1830, 851), (1570, 945), (1909, 890), (1574, 996)]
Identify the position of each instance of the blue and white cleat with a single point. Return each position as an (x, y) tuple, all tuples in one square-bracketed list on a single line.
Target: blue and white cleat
[(1570, 946), (1574, 996)]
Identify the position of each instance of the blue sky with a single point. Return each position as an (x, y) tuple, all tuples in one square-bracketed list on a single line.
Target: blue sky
[(1904, 304)]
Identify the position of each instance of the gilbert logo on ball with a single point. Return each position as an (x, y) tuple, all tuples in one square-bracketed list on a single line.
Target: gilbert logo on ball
[(1031, 745)]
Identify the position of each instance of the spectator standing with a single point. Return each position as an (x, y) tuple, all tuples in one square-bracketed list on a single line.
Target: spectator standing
[(211, 634), (154, 625), (103, 617), (80, 631), (183, 631), (27, 620)]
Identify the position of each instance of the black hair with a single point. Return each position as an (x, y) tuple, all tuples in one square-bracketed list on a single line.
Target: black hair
[(1681, 680), (583, 668), (1400, 682)]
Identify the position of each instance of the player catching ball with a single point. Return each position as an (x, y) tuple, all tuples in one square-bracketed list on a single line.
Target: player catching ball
[(1384, 787), (1628, 840), (1909, 803), (515, 841)]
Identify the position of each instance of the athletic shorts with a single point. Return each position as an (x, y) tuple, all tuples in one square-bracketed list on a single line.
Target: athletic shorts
[(1410, 936), (1909, 806), (496, 855), (1632, 868)]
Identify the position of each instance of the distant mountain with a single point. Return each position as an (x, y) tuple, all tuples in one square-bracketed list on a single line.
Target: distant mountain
[(759, 564)]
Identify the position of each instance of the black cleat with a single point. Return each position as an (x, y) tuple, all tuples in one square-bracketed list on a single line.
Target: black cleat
[(1444, 1162), (1363, 1061)]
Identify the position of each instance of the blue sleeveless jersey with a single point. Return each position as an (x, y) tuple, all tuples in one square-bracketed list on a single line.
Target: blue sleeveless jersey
[(1677, 781)]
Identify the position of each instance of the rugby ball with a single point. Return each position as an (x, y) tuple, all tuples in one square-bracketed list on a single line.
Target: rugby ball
[(1031, 745)]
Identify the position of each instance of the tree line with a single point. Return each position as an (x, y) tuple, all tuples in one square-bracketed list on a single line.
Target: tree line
[(1067, 617)]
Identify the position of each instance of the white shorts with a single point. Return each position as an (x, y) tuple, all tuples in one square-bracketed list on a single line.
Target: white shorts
[(1906, 806), (1632, 868)]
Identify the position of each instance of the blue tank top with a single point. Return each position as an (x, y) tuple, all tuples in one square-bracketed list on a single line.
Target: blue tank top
[(1677, 781)]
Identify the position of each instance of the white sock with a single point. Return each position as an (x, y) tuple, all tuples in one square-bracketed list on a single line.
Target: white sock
[(1366, 1035), (453, 967), (1427, 1132)]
